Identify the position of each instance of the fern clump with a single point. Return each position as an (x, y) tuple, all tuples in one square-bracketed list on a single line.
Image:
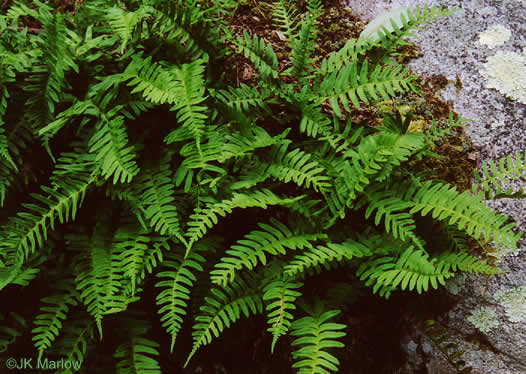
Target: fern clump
[(164, 185)]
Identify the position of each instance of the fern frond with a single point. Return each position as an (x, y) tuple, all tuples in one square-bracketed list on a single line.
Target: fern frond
[(156, 83), (465, 262), (323, 255), (156, 193), (110, 144), (464, 210), (137, 354), (490, 179), (393, 210), (123, 22), (178, 279), (190, 90), (261, 54), (243, 98), (48, 83), (413, 269), (99, 274), (272, 239), (222, 308), (78, 334), (315, 336), (351, 51), (28, 230), (389, 28), (297, 165), (139, 253), (286, 20), (353, 83), (50, 322), (302, 49), (280, 296), (203, 219)]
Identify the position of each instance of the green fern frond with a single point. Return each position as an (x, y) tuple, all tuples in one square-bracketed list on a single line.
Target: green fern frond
[(315, 336), (389, 28), (190, 90), (178, 279), (110, 144), (137, 353), (465, 262), (186, 29), (413, 269), (222, 308), (139, 253), (393, 210), (150, 78), (123, 23), (156, 193), (272, 239), (243, 98), (28, 230), (286, 20), (99, 274), (50, 322), (261, 54), (490, 179), (280, 296), (324, 255), (351, 51), (302, 49), (203, 219), (77, 337), (297, 165), (353, 83), (464, 210), (48, 83)]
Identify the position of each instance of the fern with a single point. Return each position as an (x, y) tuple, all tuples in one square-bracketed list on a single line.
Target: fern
[(27, 231), (127, 145), (73, 346), (177, 285), (123, 23), (203, 219), (323, 255), (189, 88), (158, 201), (489, 181), (110, 144), (315, 336), (99, 276), (50, 322), (297, 166), (136, 355), (280, 296), (464, 210), (286, 19), (221, 308), (274, 239), (355, 83), (261, 54), (413, 269)]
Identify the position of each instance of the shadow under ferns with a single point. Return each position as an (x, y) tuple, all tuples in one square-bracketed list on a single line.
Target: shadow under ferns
[(171, 201)]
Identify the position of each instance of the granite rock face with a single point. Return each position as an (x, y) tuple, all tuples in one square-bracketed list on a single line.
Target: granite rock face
[(488, 320)]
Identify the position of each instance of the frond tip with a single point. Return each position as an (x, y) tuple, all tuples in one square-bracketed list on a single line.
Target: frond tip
[(315, 336)]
